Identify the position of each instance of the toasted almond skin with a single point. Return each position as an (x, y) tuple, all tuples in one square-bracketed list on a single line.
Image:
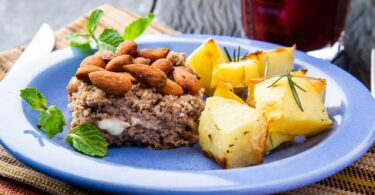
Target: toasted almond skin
[(93, 61), (83, 72), (105, 55), (164, 65), (127, 47), (187, 68), (116, 64), (147, 75), (189, 82), (130, 77), (140, 60), (111, 82), (171, 88), (73, 85), (153, 54)]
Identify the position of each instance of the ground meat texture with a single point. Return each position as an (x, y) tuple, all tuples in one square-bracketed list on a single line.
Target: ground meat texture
[(156, 121)]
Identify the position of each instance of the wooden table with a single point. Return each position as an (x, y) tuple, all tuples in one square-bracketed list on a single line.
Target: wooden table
[(17, 178)]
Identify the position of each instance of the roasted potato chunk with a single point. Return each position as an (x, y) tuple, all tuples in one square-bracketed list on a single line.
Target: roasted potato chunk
[(232, 133), (204, 59), (282, 112)]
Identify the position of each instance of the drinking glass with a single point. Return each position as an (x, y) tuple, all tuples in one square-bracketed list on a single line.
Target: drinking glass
[(310, 24)]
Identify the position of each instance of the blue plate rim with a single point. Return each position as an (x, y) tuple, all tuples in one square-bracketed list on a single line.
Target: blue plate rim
[(279, 185)]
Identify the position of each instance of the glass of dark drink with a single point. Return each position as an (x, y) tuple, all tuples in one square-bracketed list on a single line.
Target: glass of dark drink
[(311, 24)]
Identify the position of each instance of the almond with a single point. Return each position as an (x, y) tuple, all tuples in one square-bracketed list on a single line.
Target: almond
[(127, 47), (105, 55), (171, 88), (130, 77), (73, 85), (189, 69), (153, 54), (93, 61), (140, 60), (83, 72), (147, 75), (111, 82), (186, 80), (118, 62), (164, 65)]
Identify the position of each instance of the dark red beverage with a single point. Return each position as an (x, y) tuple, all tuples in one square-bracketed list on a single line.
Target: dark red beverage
[(311, 24)]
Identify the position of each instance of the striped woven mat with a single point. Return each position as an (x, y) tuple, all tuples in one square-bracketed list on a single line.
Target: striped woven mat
[(17, 178)]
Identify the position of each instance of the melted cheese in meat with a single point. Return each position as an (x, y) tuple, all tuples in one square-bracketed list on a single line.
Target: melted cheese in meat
[(113, 126)]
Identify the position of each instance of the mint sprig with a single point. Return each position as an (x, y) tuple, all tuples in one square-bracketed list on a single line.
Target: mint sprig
[(80, 41), (93, 21), (88, 139), (85, 138), (136, 28), (51, 121), (110, 38), (36, 99), (292, 86)]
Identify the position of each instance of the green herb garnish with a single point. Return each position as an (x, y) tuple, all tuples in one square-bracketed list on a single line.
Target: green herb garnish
[(88, 139), (85, 138), (228, 55), (136, 28), (292, 86), (280, 147), (51, 120), (271, 141), (235, 54), (266, 67), (35, 99), (110, 38)]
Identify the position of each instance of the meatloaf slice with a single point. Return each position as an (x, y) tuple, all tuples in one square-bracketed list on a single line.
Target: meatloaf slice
[(141, 117)]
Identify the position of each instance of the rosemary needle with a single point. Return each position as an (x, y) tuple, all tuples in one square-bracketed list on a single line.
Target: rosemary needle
[(266, 67), (292, 86), (271, 141), (294, 92), (228, 55), (299, 87), (238, 54), (277, 80)]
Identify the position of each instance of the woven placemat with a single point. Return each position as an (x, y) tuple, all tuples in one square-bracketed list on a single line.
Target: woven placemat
[(17, 178)]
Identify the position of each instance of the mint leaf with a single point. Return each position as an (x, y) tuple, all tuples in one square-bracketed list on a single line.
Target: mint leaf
[(105, 46), (82, 45), (137, 27), (88, 139), (35, 98), (80, 41), (51, 121), (93, 21), (109, 40)]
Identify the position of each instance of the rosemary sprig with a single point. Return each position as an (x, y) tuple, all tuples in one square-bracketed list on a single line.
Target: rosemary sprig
[(236, 54), (292, 86), (266, 67), (227, 53), (277, 80)]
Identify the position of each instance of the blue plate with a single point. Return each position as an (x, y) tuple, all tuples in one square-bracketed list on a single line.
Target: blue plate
[(184, 170)]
